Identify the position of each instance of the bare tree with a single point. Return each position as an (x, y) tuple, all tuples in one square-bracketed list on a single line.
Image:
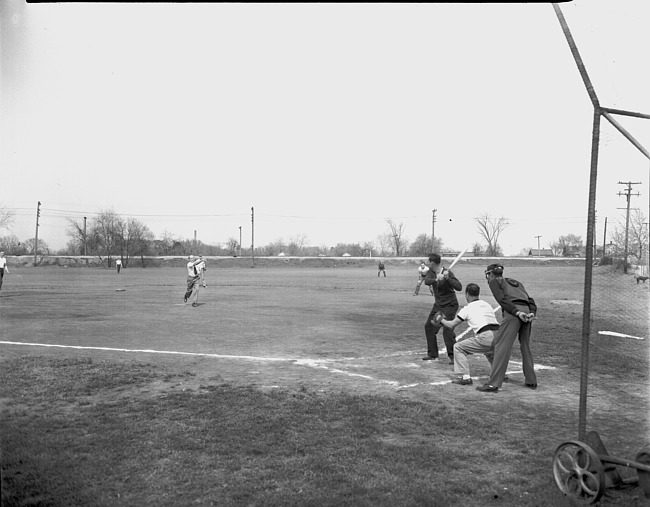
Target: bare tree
[(567, 245), (385, 244), (79, 237), (107, 228), (297, 244), (138, 239), (422, 245), (232, 245), (490, 229), (276, 248), (11, 245), (396, 232), (43, 248), (368, 249), (6, 217), (637, 235)]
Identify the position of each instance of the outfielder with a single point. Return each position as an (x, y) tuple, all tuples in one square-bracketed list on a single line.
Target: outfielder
[(518, 310), (479, 315)]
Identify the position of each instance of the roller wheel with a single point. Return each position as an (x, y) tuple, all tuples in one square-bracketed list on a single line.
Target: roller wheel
[(578, 472)]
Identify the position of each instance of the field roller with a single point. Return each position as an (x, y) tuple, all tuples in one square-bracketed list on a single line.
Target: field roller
[(585, 470)]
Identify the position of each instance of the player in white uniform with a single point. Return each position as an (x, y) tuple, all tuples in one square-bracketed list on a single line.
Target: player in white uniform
[(193, 279), (3, 267), (480, 317), (200, 267), (422, 273)]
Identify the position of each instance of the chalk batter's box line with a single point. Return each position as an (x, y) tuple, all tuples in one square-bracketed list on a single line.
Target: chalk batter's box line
[(312, 363)]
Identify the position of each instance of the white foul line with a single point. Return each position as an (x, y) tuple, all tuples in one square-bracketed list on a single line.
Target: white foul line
[(620, 335), (312, 363), (254, 358)]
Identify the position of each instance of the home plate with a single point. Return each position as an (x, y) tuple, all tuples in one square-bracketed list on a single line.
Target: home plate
[(620, 335)]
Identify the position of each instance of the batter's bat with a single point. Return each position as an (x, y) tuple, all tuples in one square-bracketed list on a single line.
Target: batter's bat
[(457, 259)]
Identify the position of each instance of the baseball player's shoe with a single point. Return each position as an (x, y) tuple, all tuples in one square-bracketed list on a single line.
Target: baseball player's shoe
[(185, 299), (429, 358), (462, 381), (531, 386), (195, 304), (487, 388)]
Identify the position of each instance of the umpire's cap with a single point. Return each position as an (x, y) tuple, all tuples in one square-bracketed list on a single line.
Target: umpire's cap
[(495, 269)]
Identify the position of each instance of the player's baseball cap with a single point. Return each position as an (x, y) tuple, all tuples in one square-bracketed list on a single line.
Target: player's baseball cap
[(495, 269)]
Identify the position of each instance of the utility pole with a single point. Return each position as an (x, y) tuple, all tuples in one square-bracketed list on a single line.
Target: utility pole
[(252, 237), (538, 251), (240, 240), (38, 214), (647, 252), (627, 194), (433, 231), (85, 248), (605, 238)]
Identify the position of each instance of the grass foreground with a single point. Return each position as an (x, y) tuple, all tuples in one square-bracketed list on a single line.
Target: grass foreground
[(228, 445)]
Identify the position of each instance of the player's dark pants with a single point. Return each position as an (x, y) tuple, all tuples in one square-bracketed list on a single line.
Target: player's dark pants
[(2, 275), (510, 328), (431, 331), (192, 292)]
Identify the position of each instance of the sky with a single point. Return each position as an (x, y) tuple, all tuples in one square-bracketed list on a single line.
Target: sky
[(326, 119)]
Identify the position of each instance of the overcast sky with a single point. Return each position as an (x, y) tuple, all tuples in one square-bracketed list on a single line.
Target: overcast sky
[(328, 119)]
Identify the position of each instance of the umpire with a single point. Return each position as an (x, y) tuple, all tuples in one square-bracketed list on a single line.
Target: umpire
[(444, 285), (518, 310)]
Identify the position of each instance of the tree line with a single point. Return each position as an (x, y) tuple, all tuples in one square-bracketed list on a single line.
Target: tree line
[(109, 236)]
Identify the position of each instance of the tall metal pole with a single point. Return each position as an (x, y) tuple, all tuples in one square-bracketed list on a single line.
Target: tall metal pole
[(240, 240), (252, 237), (591, 220), (85, 248), (38, 214)]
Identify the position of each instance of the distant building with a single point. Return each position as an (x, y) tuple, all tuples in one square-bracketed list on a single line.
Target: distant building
[(542, 252)]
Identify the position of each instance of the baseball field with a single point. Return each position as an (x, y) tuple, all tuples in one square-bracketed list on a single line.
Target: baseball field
[(296, 385)]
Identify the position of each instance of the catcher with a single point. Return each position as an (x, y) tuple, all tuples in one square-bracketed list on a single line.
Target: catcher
[(479, 315)]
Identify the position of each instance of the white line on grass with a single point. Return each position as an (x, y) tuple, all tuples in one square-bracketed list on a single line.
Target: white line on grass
[(312, 363), (150, 351), (620, 335)]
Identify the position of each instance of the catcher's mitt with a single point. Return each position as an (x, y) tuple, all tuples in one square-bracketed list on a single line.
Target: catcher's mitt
[(437, 318)]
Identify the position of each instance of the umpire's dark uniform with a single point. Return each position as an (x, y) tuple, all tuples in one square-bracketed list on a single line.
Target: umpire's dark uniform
[(445, 293)]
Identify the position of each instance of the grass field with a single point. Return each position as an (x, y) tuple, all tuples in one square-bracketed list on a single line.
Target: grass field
[(299, 386)]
